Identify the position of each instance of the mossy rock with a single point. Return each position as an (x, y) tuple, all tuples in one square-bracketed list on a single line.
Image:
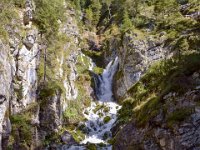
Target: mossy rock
[(91, 147), (106, 119), (98, 70)]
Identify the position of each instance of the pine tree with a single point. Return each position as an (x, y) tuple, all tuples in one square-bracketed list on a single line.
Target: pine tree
[(127, 23)]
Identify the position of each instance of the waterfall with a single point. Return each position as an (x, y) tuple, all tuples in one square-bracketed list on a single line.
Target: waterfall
[(102, 114), (103, 83)]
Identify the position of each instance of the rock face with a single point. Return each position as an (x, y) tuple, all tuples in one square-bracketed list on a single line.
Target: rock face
[(136, 54), (173, 128), (50, 116), (19, 62), (6, 77), (25, 62), (19, 59)]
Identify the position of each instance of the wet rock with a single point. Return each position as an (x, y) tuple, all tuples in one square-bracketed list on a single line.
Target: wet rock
[(67, 138)]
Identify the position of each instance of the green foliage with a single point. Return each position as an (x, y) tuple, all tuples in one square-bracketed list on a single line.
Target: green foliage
[(89, 15), (93, 12), (126, 112), (127, 23), (47, 91), (96, 7), (73, 113), (47, 14), (7, 15), (21, 126)]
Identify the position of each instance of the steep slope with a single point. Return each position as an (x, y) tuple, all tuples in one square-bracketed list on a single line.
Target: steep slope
[(39, 75)]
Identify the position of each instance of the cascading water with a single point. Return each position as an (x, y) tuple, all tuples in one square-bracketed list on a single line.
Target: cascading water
[(103, 83), (102, 114)]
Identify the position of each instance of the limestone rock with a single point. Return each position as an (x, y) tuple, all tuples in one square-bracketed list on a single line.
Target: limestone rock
[(135, 57)]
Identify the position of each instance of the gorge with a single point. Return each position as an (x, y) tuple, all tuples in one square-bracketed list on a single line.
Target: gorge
[(99, 74)]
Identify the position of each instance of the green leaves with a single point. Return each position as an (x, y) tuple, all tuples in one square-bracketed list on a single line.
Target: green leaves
[(127, 23), (47, 14)]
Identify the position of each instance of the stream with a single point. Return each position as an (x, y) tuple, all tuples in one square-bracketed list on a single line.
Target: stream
[(102, 114)]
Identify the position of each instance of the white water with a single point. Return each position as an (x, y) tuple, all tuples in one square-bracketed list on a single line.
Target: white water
[(104, 82), (97, 129)]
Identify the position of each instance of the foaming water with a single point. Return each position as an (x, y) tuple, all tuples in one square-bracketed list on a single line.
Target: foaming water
[(103, 83), (101, 115)]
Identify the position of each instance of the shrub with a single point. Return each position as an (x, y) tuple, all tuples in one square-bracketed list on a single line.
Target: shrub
[(21, 125), (7, 14)]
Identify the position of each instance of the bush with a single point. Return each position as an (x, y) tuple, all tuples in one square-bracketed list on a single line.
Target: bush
[(21, 125)]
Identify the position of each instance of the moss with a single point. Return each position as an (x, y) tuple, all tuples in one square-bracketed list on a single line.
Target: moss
[(91, 147), (98, 70), (98, 107), (118, 75), (77, 133), (112, 141), (126, 112), (147, 112), (106, 119), (97, 57), (48, 89), (53, 137), (73, 114), (106, 109)]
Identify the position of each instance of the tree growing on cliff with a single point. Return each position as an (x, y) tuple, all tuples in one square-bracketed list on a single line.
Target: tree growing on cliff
[(126, 23)]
